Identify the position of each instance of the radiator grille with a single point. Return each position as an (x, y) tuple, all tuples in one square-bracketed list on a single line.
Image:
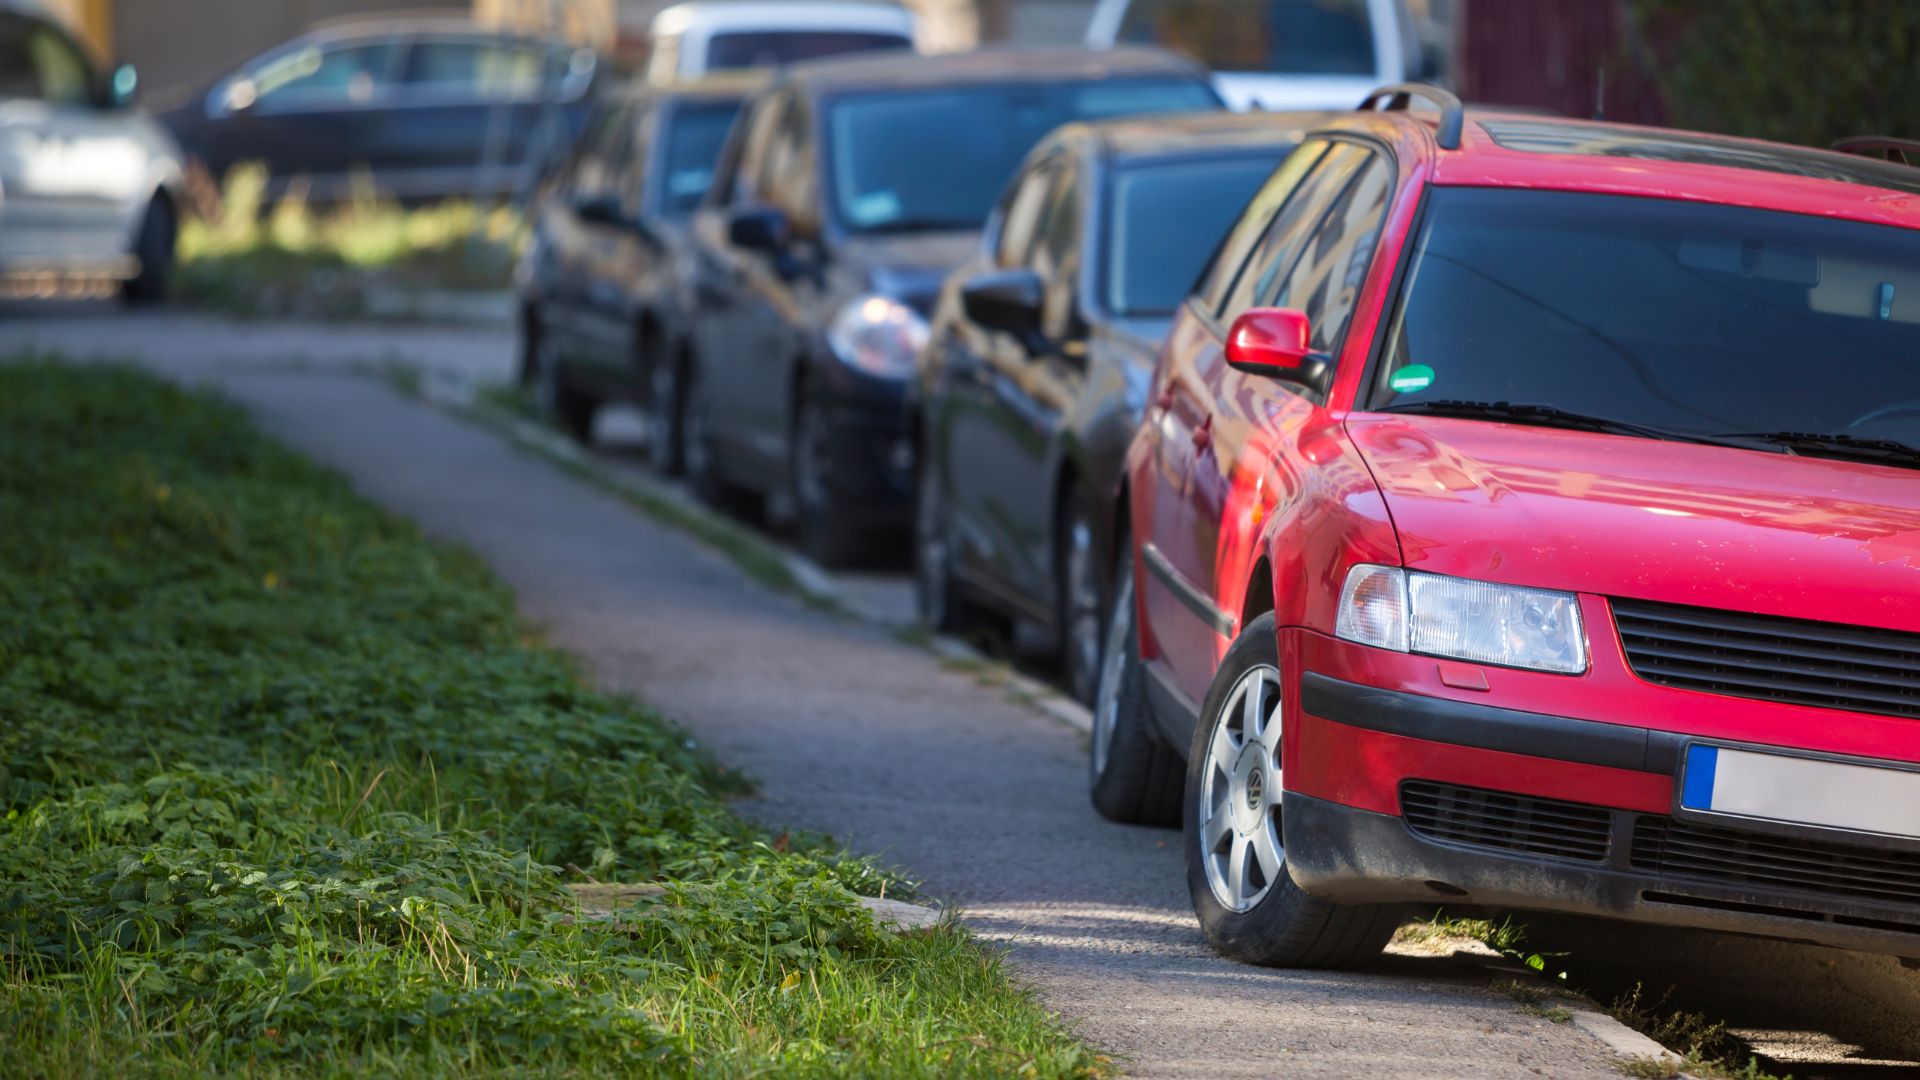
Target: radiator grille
[(1682, 850), (1494, 819)]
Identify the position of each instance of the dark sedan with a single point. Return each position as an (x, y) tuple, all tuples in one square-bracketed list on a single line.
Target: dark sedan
[(1042, 349), (603, 285), (849, 190), (428, 108)]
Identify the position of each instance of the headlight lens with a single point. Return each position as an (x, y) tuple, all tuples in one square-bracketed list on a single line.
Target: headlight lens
[(1453, 617), (878, 335)]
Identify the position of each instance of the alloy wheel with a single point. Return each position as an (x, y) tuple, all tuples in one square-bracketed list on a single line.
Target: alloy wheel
[(1239, 794)]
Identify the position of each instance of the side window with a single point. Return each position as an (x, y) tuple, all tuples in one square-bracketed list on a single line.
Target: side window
[(1020, 212), (1056, 249), (1326, 278), (787, 173), (1274, 251), (38, 62), (768, 119), (490, 70), (601, 149), (1254, 220), (317, 78)]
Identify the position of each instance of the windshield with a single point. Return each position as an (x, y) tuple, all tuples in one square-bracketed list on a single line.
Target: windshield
[(773, 48), (694, 138), (1165, 219), (1294, 37), (937, 159), (1684, 317)]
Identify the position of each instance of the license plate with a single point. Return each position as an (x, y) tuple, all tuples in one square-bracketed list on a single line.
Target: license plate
[(1811, 792)]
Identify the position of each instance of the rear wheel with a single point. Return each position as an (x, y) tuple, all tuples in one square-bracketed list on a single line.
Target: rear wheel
[(1249, 907), (825, 533), (154, 247), (1133, 775), (666, 417), (557, 400), (1077, 608)]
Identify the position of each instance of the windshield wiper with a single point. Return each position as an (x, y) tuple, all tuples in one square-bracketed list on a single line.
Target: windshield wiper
[(1549, 416), (1833, 445)]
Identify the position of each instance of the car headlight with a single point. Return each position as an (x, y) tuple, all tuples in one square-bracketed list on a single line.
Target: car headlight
[(878, 335), (1478, 621)]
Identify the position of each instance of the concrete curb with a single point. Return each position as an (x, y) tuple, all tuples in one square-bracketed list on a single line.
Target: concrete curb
[(814, 583), (1622, 1041)]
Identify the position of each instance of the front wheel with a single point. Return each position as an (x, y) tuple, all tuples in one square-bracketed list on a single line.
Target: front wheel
[(154, 247), (555, 398), (1076, 602), (826, 534), (1248, 905)]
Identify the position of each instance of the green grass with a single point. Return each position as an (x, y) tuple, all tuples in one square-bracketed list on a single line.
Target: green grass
[(285, 790), (293, 258)]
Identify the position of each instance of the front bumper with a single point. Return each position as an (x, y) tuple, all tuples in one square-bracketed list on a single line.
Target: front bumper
[(871, 467), (1494, 807)]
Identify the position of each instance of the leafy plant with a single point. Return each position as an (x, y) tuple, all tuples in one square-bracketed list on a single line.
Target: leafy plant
[(284, 789)]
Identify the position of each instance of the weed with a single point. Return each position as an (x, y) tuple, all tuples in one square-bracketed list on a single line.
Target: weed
[(283, 790)]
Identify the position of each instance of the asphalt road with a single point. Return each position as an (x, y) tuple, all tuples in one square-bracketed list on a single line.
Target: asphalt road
[(878, 742)]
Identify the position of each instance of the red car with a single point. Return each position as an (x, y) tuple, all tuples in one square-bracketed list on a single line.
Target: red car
[(1525, 515)]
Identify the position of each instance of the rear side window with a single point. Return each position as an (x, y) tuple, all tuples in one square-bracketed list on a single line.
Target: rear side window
[(774, 48), (493, 70), (1298, 37), (37, 62)]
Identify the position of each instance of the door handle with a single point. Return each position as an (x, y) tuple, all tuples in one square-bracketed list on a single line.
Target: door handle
[(1203, 435)]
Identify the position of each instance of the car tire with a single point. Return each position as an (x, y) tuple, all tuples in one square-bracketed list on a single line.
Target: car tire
[(936, 592), (555, 397), (825, 534), (1133, 776), (155, 247), (666, 416), (1248, 904), (1078, 604)]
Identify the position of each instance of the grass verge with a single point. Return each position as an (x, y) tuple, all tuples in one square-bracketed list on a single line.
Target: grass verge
[(296, 259), (284, 789)]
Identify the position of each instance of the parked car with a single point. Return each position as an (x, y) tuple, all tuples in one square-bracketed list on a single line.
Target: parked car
[(1276, 54), (89, 187), (424, 108), (603, 285), (850, 188), (1525, 516), (694, 39), (1041, 349)]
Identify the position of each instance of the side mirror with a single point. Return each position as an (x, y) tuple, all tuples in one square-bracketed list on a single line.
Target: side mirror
[(1273, 341), (1004, 300), (758, 228), (122, 87)]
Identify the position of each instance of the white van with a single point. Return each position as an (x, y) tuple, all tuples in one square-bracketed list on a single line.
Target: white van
[(690, 40), (1275, 54)]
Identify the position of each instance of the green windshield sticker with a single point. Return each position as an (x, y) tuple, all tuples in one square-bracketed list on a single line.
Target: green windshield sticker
[(1411, 379)]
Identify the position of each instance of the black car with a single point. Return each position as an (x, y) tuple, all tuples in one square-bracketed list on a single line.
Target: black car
[(848, 191), (428, 108), (1042, 348), (603, 284)]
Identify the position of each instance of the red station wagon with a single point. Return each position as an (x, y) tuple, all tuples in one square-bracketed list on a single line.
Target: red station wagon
[(1525, 514)]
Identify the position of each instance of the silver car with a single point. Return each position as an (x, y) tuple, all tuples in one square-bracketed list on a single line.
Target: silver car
[(89, 188)]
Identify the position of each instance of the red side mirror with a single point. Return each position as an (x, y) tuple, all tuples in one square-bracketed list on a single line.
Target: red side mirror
[(1271, 341)]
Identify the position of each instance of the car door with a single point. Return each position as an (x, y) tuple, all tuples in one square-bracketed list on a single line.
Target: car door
[(1178, 554), (466, 115), (69, 169), (1031, 389), (1258, 419), (313, 114), (978, 456), (578, 241)]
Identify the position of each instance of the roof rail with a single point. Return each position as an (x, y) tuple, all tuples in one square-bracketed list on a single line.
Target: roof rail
[(1902, 151), (1453, 115)]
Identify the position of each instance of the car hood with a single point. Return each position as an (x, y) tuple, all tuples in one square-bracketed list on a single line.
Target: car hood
[(1653, 520), (910, 267)]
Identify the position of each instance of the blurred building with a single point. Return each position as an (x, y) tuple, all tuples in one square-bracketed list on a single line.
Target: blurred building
[(1581, 58)]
